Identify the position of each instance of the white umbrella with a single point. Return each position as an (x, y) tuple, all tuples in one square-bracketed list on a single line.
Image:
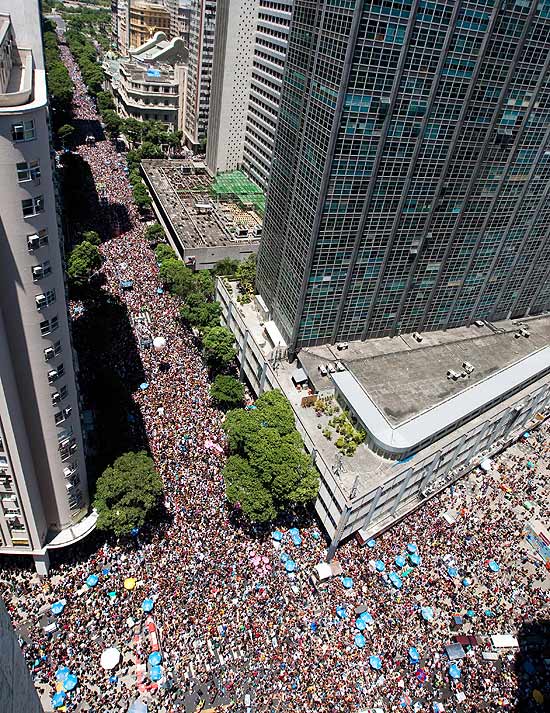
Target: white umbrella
[(110, 658), (159, 343)]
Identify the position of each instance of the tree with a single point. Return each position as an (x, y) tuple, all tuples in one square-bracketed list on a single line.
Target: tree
[(199, 313), (104, 102), (226, 267), (132, 129), (154, 233), (277, 471), (244, 489), (163, 252), (204, 283), (219, 350), (83, 260), (112, 121), (126, 493), (176, 277), (246, 275), (91, 236), (65, 132), (141, 196), (227, 392)]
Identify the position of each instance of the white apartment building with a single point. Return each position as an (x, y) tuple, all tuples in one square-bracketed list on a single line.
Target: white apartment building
[(202, 22), (270, 45), (43, 486), (231, 74)]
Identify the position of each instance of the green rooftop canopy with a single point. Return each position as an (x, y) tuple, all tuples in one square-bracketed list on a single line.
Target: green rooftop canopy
[(236, 185)]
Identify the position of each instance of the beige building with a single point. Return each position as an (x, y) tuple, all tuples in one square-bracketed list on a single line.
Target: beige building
[(43, 487), (146, 18)]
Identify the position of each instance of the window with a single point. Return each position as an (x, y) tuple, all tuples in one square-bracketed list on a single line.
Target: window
[(51, 352), (59, 417), (45, 299), (28, 171), (32, 206), (40, 271), (49, 325), (24, 131), (37, 240)]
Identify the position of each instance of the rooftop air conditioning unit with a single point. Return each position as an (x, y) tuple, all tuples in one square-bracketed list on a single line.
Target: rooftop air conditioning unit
[(64, 443), (451, 374), (37, 272), (479, 323), (49, 353), (52, 376), (56, 397), (68, 411), (468, 368), (33, 242), (41, 302), (341, 346)]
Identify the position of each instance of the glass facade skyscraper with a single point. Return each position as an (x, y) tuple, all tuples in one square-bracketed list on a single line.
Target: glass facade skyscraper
[(410, 179)]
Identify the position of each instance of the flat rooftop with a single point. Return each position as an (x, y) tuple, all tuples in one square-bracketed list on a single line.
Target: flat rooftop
[(198, 218), (405, 378)]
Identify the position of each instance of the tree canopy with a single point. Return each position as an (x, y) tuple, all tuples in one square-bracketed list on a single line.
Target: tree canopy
[(176, 277), (219, 349), (154, 233), (83, 260), (246, 275), (227, 391), (126, 493), (268, 470)]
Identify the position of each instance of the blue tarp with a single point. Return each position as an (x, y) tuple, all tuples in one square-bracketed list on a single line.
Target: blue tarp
[(147, 605), (92, 580), (347, 582), (375, 662), (380, 566), (57, 607), (155, 658), (359, 640)]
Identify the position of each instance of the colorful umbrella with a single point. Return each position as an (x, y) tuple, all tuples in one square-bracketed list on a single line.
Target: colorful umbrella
[(452, 571), (412, 548), (414, 655), (129, 583), (421, 675), (58, 699), (57, 607), (371, 543), (380, 566), (147, 605), (375, 662), (290, 565), (359, 640), (400, 561), (427, 613), (277, 535), (156, 673), (70, 682), (155, 658), (494, 566), (347, 582), (341, 612), (62, 673), (92, 580), (415, 559), (454, 671)]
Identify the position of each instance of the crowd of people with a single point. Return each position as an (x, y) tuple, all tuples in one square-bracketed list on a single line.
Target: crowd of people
[(232, 621)]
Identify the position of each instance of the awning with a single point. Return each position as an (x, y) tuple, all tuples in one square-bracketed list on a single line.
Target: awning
[(299, 376)]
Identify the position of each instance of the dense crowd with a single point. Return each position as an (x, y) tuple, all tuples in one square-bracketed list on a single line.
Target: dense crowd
[(232, 620)]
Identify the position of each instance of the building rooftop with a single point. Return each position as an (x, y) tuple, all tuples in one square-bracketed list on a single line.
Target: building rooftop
[(198, 217)]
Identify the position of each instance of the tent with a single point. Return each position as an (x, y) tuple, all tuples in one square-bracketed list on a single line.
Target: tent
[(415, 559), (110, 658), (323, 571), (371, 543), (277, 536), (494, 566), (92, 580), (155, 658), (396, 580)]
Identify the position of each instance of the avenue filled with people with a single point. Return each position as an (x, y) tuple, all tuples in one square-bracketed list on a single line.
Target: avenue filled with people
[(233, 628)]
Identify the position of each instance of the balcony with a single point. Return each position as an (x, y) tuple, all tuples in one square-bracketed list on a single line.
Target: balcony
[(19, 89)]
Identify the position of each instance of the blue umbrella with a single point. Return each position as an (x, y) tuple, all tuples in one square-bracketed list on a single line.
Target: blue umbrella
[(156, 673), (134, 531), (70, 682), (297, 540), (341, 612), (471, 613), (530, 464), (488, 613), (144, 386), (147, 605), (293, 531), (359, 640), (427, 613), (290, 565), (57, 607), (277, 535), (375, 662), (494, 566), (414, 655), (160, 291), (380, 566), (155, 658), (415, 559), (360, 624), (452, 571), (396, 580), (347, 582), (313, 626), (366, 617), (59, 699), (113, 679), (62, 673), (371, 543), (400, 561), (454, 671), (284, 557), (92, 580), (466, 582), (105, 571), (316, 535), (412, 548)]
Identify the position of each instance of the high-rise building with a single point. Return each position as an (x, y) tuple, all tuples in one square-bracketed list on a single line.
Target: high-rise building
[(270, 45), (146, 18), (231, 72), (43, 488), (411, 170), (201, 48)]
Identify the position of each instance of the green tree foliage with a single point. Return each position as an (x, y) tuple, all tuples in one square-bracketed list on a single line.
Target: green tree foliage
[(227, 391), (141, 196), (219, 349), (83, 260), (269, 469), (126, 493), (226, 267), (112, 121), (204, 283), (176, 277), (105, 102), (65, 133), (197, 312), (246, 275), (154, 233), (163, 252), (91, 236), (60, 86), (85, 55)]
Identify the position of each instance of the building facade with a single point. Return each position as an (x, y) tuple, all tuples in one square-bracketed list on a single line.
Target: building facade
[(411, 169), (146, 18), (270, 45), (43, 487), (231, 73), (202, 25)]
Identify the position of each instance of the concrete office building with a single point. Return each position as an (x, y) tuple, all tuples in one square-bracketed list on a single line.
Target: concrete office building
[(410, 180), (146, 18), (231, 73), (17, 691), (120, 25), (201, 48), (424, 428), (270, 44), (43, 487)]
